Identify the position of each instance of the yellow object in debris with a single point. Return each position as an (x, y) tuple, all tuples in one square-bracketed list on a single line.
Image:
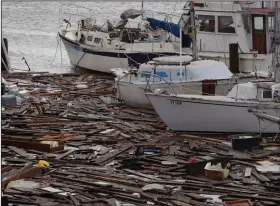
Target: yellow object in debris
[(43, 163)]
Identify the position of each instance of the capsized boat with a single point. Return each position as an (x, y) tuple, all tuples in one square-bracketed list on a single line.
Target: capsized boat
[(206, 77)]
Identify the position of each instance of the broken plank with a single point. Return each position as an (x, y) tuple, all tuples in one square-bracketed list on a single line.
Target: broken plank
[(111, 155), (20, 152), (31, 145), (58, 157), (260, 177)]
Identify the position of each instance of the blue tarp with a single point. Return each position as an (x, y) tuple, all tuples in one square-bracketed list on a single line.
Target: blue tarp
[(172, 28)]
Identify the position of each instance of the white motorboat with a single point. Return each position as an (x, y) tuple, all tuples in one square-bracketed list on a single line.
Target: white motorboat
[(198, 77), (101, 48), (246, 27)]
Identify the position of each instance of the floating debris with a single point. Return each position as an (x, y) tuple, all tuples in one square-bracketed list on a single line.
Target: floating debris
[(70, 146)]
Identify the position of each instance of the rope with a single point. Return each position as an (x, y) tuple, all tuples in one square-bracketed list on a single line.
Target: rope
[(80, 60), (58, 43)]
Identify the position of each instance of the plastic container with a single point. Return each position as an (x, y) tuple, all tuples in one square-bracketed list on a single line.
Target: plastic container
[(246, 142)]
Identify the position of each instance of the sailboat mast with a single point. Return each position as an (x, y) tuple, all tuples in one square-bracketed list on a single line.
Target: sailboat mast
[(181, 68), (194, 42), (142, 6), (276, 41)]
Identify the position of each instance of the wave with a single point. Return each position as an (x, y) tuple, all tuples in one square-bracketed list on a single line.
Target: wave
[(35, 33)]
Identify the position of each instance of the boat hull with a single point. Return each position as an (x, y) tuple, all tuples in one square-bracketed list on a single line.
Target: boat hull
[(102, 59), (93, 61), (198, 115), (134, 94)]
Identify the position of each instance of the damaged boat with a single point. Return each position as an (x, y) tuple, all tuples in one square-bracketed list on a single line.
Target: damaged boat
[(101, 48)]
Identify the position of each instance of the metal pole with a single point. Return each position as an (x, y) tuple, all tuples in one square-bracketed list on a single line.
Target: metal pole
[(180, 48), (60, 52), (181, 68), (194, 42), (6, 54), (276, 42)]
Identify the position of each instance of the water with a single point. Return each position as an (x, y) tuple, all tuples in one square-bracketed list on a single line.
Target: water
[(31, 28)]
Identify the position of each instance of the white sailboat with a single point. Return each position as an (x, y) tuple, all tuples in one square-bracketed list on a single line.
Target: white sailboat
[(198, 77), (104, 47), (196, 113)]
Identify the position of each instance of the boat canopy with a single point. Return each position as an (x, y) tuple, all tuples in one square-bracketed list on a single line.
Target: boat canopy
[(172, 28)]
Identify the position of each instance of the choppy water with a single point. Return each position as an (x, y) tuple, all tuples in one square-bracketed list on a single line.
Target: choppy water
[(31, 28)]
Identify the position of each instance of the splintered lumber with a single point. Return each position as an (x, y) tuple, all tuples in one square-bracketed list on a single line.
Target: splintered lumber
[(202, 138), (64, 154), (31, 145), (111, 155)]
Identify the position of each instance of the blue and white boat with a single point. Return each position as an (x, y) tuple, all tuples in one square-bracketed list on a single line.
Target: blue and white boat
[(117, 45)]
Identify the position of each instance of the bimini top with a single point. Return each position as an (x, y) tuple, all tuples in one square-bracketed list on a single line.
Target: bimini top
[(193, 71)]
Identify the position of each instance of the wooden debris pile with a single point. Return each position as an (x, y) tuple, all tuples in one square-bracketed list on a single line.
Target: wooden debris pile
[(72, 142)]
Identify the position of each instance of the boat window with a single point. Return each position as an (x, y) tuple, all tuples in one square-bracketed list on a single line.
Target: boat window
[(207, 23), (97, 40), (225, 24), (271, 23), (267, 94), (146, 76), (89, 38), (258, 24)]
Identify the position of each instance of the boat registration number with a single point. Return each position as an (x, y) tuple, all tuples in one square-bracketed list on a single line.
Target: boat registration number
[(178, 102)]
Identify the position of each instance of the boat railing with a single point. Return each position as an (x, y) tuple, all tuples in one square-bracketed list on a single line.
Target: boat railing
[(131, 72), (69, 10)]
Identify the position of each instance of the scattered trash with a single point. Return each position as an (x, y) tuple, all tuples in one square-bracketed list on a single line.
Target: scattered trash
[(43, 163), (82, 86), (153, 187), (51, 143), (57, 191), (23, 185), (268, 168), (169, 162), (216, 172), (212, 198), (8, 100), (237, 203), (246, 142), (86, 147)]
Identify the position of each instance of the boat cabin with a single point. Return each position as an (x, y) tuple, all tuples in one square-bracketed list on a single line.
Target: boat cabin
[(162, 69), (250, 24), (261, 91)]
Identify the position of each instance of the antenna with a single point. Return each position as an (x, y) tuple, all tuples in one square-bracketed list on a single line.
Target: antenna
[(142, 6)]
